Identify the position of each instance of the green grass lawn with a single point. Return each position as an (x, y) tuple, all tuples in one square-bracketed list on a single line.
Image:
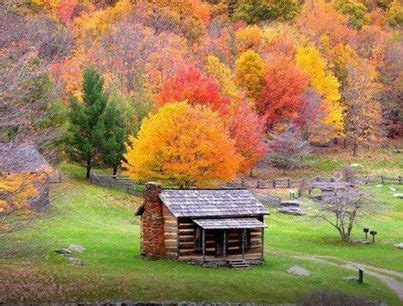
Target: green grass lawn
[(306, 235), (102, 221)]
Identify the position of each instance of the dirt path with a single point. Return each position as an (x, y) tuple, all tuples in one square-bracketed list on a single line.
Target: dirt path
[(392, 279)]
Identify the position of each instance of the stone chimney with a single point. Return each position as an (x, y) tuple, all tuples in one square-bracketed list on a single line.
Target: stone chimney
[(152, 223)]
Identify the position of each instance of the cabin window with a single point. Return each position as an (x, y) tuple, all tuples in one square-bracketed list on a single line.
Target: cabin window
[(198, 239)]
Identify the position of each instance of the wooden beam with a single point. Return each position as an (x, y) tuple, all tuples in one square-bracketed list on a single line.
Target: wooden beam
[(243, 243), (225, 244), (262, 243), (204, 244)]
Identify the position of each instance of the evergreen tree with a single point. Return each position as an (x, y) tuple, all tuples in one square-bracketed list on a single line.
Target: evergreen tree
[(114, 136), (86, 128)]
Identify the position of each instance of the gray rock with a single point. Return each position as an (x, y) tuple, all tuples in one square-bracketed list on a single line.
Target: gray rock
[(399, 245), (392, 189), (76, 248), (362, 241), (74, 261), (298, 271), (63, 251), (291, 207), (292, 211), (398, 195), (351, 278)]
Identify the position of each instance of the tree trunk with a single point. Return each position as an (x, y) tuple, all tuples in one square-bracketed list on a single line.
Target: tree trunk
[(88, 168), (251, 172), (115, 170), (355, 148), (345, 143)]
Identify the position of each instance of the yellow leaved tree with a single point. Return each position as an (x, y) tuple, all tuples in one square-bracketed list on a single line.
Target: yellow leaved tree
[(323, 82), (221, 73), (182, 145), (249, 69)]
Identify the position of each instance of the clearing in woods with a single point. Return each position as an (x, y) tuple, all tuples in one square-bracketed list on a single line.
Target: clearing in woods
[(102, 221)]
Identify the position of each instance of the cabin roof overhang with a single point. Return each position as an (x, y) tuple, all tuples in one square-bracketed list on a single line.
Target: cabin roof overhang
[(229, 223), (221, 203), (210, 203)]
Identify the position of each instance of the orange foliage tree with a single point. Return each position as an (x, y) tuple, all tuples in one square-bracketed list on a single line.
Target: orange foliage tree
[(318, 18), (190, 84), (182, 145)]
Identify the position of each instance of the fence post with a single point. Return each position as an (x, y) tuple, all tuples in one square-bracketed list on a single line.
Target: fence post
[(274, 184), (242, 183), (382, 179), (258, 184), (288, 183), (400, 179)]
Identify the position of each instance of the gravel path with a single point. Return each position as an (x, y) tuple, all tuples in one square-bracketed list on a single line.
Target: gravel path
[(392, 279)]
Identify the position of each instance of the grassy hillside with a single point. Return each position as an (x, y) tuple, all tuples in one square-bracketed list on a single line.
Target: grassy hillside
[(102, 221)]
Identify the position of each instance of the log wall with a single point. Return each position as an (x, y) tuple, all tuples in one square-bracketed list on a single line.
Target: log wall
[(186, 242), (170, 234)]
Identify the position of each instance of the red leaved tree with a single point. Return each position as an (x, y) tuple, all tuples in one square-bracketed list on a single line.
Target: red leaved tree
[(247, 129), (280, 98), (190, 84)]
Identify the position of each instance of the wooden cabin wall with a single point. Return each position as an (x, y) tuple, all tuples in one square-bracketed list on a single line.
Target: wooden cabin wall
[(256, 240), (186, 237), (170, 233)]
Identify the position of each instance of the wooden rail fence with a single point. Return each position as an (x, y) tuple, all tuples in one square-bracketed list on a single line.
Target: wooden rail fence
[(117, 182), (125, 184), (304, 182)]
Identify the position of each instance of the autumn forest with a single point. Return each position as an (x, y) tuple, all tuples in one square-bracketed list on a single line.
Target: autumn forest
[(196, 94)]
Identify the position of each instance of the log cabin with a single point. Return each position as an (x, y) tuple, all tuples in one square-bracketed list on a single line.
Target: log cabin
[(217, 227)]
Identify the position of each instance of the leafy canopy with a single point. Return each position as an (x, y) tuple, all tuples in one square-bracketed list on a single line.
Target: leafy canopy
[(182, 145)]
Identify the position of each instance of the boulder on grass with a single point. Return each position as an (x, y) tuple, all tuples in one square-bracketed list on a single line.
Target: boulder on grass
[(63, 251), (362, 241), (291, 207), (298, 271), (351, 278), (75, 261), (76, 248), (399, 245)]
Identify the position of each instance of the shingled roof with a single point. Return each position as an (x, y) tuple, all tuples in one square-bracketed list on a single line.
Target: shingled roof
[(16, 158), (212, 203), (227, 223)]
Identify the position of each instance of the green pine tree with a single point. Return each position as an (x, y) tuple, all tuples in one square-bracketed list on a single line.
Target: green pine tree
[(86, 127), (115, 132)]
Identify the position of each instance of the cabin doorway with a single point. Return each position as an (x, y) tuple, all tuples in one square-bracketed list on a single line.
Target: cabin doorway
[(219, 240)]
